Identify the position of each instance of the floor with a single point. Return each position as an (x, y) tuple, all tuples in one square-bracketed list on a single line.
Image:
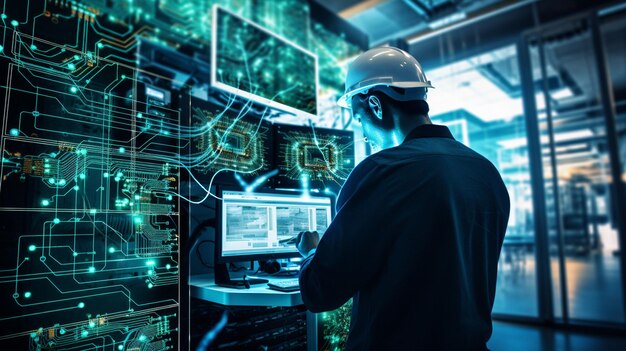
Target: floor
[(515, 337), (593, 286)]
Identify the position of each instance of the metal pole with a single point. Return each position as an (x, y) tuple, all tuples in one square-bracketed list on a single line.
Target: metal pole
[(555, 186), (542, 256), (610, 119)]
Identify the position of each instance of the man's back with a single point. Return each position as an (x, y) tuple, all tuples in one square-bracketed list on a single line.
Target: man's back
[(416, 242)]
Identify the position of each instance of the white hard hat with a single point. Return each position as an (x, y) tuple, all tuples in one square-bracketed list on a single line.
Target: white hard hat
[(382, 68)]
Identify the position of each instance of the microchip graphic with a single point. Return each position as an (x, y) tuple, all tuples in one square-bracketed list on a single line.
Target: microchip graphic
[(317, 157), (229, 141), (322, 157)]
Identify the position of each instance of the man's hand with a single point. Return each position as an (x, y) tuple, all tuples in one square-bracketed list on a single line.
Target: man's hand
[(307, 241)]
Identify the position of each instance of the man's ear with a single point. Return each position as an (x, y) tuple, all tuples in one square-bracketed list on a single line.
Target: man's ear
[(375, 106)]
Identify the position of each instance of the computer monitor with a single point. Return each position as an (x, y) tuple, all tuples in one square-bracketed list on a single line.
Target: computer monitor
[(262, 225), (252, 62)]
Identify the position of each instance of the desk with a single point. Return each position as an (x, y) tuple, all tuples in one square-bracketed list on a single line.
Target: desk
[(203, 287)]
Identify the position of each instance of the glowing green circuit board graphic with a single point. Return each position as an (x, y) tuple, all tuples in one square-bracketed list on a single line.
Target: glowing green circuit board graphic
[(95, 137), (315, 156)]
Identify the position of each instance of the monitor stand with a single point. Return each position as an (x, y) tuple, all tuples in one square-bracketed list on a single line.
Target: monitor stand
[(222, 278)]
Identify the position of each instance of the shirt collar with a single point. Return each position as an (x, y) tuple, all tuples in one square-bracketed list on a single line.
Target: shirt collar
[(429, 131)]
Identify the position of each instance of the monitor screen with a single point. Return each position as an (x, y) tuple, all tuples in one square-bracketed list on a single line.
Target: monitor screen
[(250, 61), (257, 225), (312, 157)]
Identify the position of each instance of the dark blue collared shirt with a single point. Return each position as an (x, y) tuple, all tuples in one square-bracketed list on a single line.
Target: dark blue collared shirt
[(415, 243)]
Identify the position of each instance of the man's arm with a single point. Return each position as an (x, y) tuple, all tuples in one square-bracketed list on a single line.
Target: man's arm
[(354, 246)]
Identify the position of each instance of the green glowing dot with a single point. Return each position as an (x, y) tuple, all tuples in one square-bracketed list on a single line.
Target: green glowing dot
[(168, 266), (75, 254), (62, 182), (122, 150), (83, 151), (150, 272), (14, 23), (105, 175), (137, 197), (45, 202), (84, 333), (120, 347), (150, 285), (76, 187), (62, 331), (120, 174), (117, 179), (92, 324), (138, 220), (76, 57), (74, 90), (3, 16), (111, 249), (81, 176), (33, 47), (27, 294), (71, 66), (56, 221), (139, 115), (100, 45), (51, 180), (123, 76), (92, 269), (32, 248), (93, 211), (81, 305), (142, 338), (150, 263), (14, 132), (169, 197)]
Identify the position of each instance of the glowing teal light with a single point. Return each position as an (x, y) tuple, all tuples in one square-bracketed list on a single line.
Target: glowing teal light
[(150, 272), (52, 181), (117, 179), (92, 269), (81, 305), (138, 220), (139, 115), (81, 176), (74, 253), (62, 182), (71, 66), (120, 174), (169, 197), (137, 197), (83, 152), (120, 347), (56, 221), (32, 248), (62, 331), (45, 202), (168, 266), (84, 334), (123, 76), (122, 150), (74, 90), (142, 338), (150, 285), (100, 45), (27, 294), (14, 23), (93, 211), (111, 249), (76, 187), (3, 16), (105, 175), (14, 132), (150, 263), (92, 324)]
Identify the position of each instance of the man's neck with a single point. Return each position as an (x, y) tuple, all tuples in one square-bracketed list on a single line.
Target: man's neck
[(407, 125)]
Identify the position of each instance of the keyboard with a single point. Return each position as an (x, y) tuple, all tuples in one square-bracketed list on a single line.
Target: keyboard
[(285, 285)]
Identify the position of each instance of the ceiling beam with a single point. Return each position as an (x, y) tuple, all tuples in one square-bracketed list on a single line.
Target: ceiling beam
[(360, 7)]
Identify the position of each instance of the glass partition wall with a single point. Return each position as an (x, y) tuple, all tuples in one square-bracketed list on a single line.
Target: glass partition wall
[(539, 110)]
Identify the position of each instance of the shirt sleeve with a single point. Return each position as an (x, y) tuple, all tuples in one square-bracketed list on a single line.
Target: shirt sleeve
[(352, 248)]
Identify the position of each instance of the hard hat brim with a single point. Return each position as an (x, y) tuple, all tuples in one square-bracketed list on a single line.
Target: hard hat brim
[(344, 102)]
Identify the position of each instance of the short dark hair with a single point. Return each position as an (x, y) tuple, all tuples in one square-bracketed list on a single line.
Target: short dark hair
[(409, 108)]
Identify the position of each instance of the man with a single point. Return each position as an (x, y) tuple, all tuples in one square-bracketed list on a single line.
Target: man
[(419, 225)]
